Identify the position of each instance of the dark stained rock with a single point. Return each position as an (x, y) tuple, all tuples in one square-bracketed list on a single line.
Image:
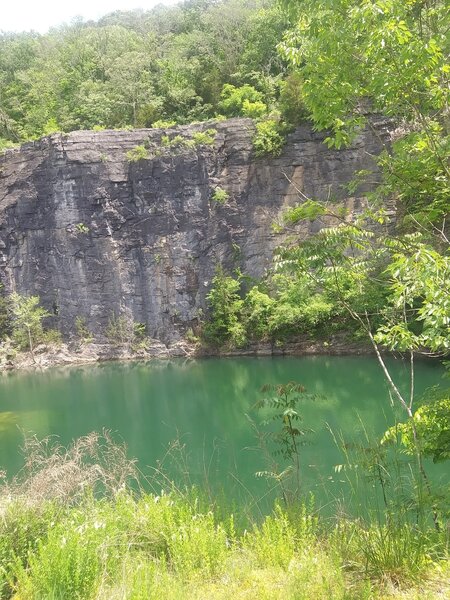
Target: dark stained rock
[(95, 235)]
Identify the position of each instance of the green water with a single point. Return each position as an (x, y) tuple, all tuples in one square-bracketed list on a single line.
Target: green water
[(204, 404)]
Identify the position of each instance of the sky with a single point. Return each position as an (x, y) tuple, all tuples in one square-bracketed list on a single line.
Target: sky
[(40, 15)]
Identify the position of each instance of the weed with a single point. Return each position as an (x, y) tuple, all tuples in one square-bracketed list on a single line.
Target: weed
[(26, 320), (72, 527), (282, 403), (174, 142), (198, 545), (191, 337), (204, 138), (274, 542), (226, 306), (81, 228), (400, 554), (220, 196), (137, 153)]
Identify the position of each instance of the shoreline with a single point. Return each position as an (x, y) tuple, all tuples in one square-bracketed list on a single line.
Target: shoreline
[(78, 353)]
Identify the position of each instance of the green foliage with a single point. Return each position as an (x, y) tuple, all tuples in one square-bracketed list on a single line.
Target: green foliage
[(291, 103), (26, 318), (398, 554), (220, 195), (82, 330), (281, 408), (401, 555), (345, 268), (131, 544), (225, 303), (137, 153), (191, 337), (418, 295), (389, 58), (161, 124), (168, 142), (6, 145), (274, 543), (289, 303), (308, 210), (51, 336), (118, 329), (169, 65), (198, 545), (258, 311), (268, 140), (123, 331), (241, 101), (204, 138), (81, 228), (68, 564), (415, 171), (253, 110), (51, 126), (140, 332), (199, 138), (429, 428), (21, 531)]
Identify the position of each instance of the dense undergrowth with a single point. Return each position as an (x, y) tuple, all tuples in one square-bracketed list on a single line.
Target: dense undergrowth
[(76, 524), (281, 307)]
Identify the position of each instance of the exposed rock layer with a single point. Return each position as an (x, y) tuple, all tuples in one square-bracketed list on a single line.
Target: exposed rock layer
[(95, 235)]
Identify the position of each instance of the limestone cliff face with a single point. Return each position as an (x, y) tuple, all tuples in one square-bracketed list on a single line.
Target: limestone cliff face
[(95, 235)]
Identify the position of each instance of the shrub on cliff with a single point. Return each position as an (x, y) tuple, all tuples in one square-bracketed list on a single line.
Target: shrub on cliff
[(268, 139), (137, 153)]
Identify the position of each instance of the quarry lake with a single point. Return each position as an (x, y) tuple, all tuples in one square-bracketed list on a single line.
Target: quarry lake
[(205, 405)]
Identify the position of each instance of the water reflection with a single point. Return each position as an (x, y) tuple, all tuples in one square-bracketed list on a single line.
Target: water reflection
[(204, 403)]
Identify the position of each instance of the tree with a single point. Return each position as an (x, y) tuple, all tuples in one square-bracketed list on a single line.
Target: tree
[(288, 436), (355, 59), (390, 57), (237, 102), (27, 317), (135, 67), (226, 306)]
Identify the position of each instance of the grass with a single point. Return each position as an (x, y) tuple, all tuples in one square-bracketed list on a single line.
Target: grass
[(90, 536)]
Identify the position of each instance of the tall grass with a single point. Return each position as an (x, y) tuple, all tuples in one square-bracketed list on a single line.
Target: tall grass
[(103, 540)]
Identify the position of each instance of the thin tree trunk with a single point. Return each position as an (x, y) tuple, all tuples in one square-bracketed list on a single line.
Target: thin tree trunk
[(30, 341)]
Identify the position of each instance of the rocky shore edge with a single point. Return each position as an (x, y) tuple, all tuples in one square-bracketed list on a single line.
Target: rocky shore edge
[(46, 356)]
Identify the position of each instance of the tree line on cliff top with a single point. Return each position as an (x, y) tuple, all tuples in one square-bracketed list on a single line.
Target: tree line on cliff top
[(137, 68)]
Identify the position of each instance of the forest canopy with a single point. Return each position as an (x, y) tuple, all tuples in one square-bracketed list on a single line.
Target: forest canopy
[(137, 68)]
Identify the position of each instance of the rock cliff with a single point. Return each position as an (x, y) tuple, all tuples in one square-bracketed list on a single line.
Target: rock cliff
[(96, 235)]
